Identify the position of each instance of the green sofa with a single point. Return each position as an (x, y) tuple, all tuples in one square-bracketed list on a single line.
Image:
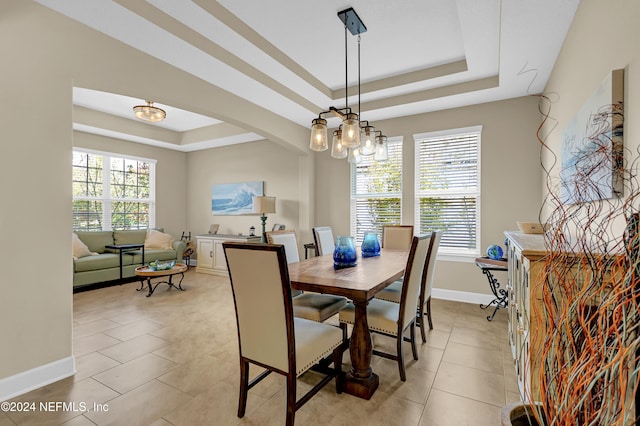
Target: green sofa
[(106, 265)]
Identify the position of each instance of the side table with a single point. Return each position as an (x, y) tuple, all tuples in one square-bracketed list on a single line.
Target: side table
[(488, 266), (124, 248)]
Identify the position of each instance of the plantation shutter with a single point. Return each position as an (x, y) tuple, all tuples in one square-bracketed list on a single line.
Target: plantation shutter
[(376, 192), (448, 189)]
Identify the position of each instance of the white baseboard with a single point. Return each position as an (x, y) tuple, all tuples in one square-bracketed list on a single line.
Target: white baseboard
[(24, 382), (461, 296)]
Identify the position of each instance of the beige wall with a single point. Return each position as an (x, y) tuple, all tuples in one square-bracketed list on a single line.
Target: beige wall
[(35, 176), (171, 176), (253, 161), (510, 188), (603, 37), (44, 55)]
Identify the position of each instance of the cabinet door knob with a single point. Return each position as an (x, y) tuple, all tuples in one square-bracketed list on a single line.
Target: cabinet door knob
[(211, 253)]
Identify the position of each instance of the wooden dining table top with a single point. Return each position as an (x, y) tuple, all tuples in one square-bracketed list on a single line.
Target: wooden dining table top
[(358, 283)]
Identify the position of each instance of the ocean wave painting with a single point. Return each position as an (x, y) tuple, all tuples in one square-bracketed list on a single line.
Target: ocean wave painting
[(235, 198)]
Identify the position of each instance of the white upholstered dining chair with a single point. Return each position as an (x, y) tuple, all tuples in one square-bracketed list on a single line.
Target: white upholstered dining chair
[(323, 237), (393, 319), (397, 237), (269, 336), (393, 292), (312, 306)]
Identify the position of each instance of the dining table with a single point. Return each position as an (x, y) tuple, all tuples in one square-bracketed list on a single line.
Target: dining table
[(360, 284)]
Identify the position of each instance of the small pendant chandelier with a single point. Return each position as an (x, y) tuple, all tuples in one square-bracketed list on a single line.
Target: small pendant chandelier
[(354, 138), (149, 112)]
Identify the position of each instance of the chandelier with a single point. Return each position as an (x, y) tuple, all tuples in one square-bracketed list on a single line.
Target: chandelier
[(354, 138), (149, 112)]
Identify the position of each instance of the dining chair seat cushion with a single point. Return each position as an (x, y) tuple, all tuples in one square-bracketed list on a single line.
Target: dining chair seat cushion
[(317, 307), (382, 316), (314, 341), (392, 293)]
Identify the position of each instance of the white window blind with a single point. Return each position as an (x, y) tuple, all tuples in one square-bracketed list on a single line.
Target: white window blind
[(112, 192), (376, 192), (447, 188)]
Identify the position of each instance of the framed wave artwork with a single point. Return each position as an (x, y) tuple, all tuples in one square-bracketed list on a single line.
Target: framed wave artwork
[(234, 198)]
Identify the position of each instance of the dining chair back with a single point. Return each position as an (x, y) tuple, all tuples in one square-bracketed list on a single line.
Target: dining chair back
[(393, 319), (289, 240), (269, 335), (424, 304), (393, 292), (397, 237), (323, 237), (311, 306)]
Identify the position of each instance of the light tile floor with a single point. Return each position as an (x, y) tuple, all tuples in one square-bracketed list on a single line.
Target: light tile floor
[(172, 359)]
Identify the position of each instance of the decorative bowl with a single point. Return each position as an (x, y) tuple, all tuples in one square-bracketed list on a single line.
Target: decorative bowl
[(161, 266)]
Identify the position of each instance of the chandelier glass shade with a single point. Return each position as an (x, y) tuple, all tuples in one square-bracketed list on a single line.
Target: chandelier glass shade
[(368, 140), (351, 131), (354, 138), (318, 140), (381, 151), (149, 112), (354, 156), (338, 150)]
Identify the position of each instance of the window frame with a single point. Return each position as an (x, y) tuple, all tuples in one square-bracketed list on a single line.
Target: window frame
[(448, 253), (353, 197), (106, 198)]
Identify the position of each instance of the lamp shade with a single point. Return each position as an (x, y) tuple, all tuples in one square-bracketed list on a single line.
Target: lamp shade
[(351, 131), (381, 153), (338, 150), (368, 140), (318, 140), (264, 204)]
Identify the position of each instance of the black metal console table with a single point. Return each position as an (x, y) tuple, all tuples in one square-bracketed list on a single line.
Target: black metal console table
[(488, 266)]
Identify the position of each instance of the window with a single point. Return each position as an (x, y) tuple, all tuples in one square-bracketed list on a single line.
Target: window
[(112, 192), (447, 188), (376, 192)]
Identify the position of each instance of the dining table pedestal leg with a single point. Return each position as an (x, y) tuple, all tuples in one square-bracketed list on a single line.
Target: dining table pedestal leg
[(361, 381)]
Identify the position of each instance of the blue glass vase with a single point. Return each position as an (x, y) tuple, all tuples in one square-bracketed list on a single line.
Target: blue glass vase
[(370, 245), (344, 256)]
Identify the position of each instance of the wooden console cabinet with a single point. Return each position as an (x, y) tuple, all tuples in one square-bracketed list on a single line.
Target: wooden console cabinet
[(525, 256), (211, 258)]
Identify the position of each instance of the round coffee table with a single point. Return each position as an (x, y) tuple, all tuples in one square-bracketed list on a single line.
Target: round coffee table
[(146, 273)]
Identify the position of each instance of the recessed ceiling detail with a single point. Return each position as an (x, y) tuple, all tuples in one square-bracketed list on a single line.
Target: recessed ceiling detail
[(417, 55)]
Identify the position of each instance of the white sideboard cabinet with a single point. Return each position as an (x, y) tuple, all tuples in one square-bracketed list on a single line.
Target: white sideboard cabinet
[(525, 256), (211, 258)]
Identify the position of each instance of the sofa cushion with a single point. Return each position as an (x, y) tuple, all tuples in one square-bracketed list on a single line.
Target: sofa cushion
[(80, 249), (100, 261), (96, 240), (158, 240), (130, 236)]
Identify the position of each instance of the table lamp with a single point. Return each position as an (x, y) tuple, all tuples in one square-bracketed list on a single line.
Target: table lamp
[(264, 205)]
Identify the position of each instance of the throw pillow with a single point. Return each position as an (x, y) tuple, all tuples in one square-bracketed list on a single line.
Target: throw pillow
[(80, 249), (158, 240)]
